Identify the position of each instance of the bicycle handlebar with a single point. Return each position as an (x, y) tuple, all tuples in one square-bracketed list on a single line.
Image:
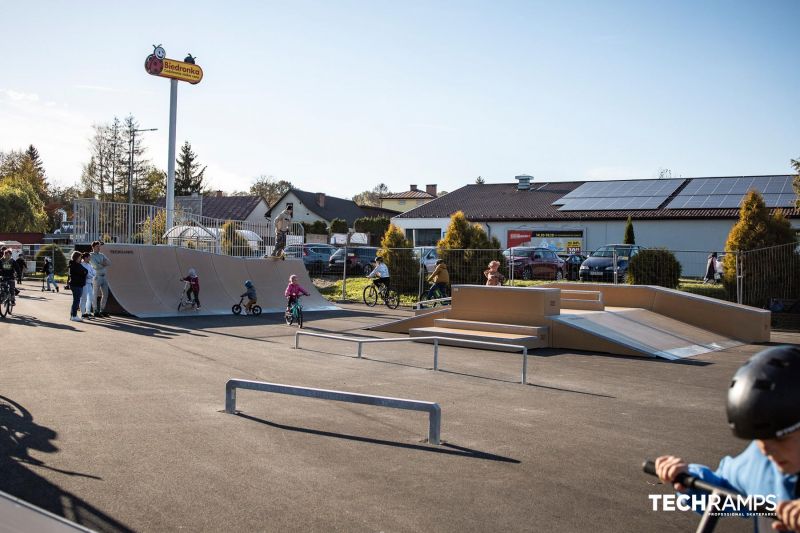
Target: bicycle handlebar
[(694, 482)]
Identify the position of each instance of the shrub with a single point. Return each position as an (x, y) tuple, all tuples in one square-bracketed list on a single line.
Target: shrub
[(630, 236), (655, 266), (339, 225), (397, 254), (56, 255), (467, 250)]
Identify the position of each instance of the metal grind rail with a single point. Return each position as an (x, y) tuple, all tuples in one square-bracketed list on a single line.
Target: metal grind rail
[(435, 339), (428, 304), (433, 409)]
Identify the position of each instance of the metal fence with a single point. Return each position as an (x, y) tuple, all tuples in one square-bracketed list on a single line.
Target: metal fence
[(766, 278), (146, 224)]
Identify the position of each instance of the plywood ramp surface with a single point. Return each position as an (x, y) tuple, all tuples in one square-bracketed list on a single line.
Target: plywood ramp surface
[(646, 332)]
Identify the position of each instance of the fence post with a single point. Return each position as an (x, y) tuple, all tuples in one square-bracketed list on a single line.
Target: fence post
[(739, 276), (614, 264), (344, 275), (524, 365)]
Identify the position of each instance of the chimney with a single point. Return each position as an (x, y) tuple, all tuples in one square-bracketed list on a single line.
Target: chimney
[(321, 199), (523, 182), (413, 187), (219, 194), (431, 189)]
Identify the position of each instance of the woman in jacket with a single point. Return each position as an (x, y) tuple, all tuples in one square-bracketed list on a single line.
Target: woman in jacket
[(77, 280)]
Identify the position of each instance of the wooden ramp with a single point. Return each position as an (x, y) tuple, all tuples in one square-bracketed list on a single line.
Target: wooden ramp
[(643, 332)]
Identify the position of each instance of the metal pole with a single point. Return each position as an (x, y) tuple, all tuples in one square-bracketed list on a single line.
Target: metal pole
[(360, 344), (344, 275), (435, 354), (131, 144), (173, 115), (435, 425), (524, 365)]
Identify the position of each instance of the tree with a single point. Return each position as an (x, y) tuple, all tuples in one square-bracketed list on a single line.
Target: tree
[(154, 185), (188, 174), (374, 226), (270, 189), (372, 197), (56, 255), (397, 253), (466, 250), (339, 225), (756, 229), (654, 266), (629, 238), (319, 227), (796, 180), (479, 180), (21, 209), (22, 167), (232, 242)]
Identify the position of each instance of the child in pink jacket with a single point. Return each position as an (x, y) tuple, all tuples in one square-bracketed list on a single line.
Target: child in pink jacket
[(293, 290)]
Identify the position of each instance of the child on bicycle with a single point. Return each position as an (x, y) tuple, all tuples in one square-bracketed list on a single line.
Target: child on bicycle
[(440, 278), (763, 405), (252, 297), (193, 288), (293, 290), (8, 272), (380, 273), (493, 276)]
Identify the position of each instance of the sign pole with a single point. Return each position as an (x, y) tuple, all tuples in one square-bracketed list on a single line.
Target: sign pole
[(173, 114)]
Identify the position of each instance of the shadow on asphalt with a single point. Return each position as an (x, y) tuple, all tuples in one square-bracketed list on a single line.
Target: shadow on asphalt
[(19, 435), (452, 449), (32, 321)]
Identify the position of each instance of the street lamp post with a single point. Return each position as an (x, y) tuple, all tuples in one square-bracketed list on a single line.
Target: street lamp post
[(131, 145)]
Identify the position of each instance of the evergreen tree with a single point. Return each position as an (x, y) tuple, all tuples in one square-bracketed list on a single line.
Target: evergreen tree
[(630, 238), (466, 250), (397, 253), (38, 175), (117, 159), (339, 225), (479, 180), (188, 174)]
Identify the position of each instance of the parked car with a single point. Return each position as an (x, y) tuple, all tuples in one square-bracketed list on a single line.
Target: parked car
[(599, 266), (535, 263), (572, 265), (315, 256), (428, 257), (359, 260)]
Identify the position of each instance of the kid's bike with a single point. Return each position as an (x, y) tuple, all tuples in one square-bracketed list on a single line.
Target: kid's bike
[(255, 309), (294, 313), (435, 297), (389, 296)]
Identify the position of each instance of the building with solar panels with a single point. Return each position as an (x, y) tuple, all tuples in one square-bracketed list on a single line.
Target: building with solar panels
[(688, 215)]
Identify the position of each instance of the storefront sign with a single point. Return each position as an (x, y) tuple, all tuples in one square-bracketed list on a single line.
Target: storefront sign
[(158, 64), (569, 241)]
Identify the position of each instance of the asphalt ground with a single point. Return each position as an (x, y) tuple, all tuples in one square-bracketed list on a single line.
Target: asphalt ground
[(119, 424)]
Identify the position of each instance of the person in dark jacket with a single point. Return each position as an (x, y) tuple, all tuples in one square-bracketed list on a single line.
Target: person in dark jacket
[(77, 280), (21, 266), (8, 269)]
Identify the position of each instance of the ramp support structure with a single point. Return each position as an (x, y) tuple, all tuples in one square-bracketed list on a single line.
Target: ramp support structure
[(433, 409)]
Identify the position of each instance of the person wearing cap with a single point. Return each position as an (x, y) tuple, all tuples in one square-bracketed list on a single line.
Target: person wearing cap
[(763, 407), (100, 263)]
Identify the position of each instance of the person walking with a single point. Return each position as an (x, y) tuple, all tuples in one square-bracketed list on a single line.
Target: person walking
[(21, 267), (100, 286), (49, 274), (77, 280), (711, 269)]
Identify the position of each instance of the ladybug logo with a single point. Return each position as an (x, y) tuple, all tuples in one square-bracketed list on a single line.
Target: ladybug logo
[(154, 63)]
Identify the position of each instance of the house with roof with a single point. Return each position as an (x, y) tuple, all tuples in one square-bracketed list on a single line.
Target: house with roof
[(248, 208), (683, 214), (310, 207), (407, 200)]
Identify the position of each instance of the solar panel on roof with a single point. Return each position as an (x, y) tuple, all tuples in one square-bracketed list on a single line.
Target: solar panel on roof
[(609, 189), (726, 193)]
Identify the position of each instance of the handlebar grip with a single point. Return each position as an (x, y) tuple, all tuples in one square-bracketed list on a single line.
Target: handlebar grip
[(649, 467)]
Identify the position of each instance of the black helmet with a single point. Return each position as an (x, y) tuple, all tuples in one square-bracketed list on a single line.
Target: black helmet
[(379, 259), (439, 261), (764, 397)]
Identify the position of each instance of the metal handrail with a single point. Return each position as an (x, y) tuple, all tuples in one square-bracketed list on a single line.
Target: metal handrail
[(435, 340), (419, 304), (432, 408)]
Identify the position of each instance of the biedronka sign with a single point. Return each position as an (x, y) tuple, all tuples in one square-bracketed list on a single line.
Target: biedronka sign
[(158, 64)]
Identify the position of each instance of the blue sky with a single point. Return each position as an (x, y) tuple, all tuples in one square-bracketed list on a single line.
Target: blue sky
[(338, 96)]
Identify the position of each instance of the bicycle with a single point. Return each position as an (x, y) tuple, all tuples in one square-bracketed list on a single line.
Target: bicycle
[(186, 304), (255, 309), (389, 296), (7, 300), (436, 294), (711, 515), (294, 313)]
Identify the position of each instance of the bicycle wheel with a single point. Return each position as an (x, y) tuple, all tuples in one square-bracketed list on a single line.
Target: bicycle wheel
[(392, 299), (299, 312), (3, 311), (289, 317), (370, 295), (9, 306), (236, 309), (255, 310)]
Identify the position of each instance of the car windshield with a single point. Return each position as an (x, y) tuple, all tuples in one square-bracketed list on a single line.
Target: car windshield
[(338, 253), (608, 251)]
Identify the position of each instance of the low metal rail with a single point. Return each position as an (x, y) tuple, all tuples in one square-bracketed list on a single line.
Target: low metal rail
[(433, 409), (435, 339)]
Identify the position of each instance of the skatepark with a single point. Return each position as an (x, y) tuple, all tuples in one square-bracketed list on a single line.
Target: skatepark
[(119, 425)]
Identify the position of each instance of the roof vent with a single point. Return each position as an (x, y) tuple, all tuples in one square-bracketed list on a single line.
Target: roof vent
[(523, 182)]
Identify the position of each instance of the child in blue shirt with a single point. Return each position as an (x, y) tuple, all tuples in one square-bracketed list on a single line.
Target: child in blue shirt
[(252, 297)]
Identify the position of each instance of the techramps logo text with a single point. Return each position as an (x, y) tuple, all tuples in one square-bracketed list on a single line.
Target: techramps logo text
[(716, 504)]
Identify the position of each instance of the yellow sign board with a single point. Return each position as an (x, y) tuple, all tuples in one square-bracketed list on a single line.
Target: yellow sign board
[(169, 68)]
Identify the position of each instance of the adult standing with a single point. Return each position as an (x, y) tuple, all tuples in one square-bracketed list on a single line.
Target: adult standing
[(711, 269), (77, 280), (87, 298), (283, 223), (21, 267), (100, 286)]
